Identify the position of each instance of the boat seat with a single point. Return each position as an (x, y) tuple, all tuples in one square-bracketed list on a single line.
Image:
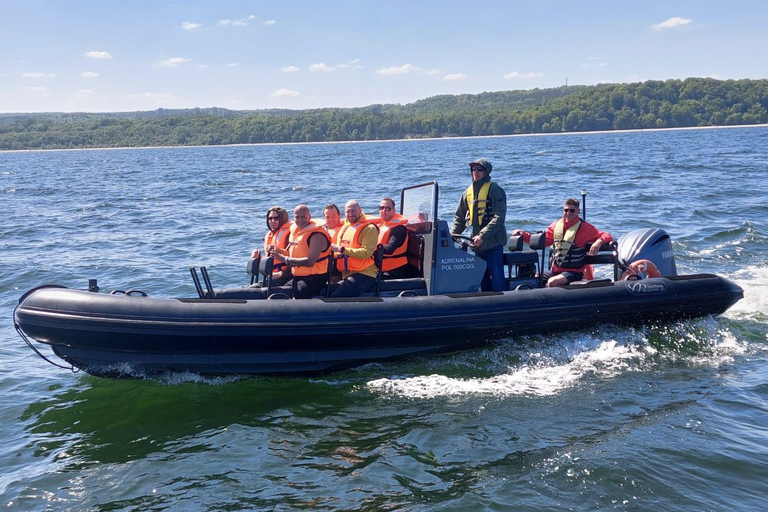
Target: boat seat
[(406, 284), (415, 252)]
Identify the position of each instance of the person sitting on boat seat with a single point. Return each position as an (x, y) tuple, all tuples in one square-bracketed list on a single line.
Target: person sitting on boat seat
[(333, 223), (356, 242), (483, 209), (570, 236), (393, 236), (309, 248), (279, 229)]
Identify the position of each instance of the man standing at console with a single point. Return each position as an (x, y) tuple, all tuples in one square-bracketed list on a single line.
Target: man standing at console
[(483, 208)]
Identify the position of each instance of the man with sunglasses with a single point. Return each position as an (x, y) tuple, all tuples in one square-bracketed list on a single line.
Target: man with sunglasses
[(483, 208), (393, 236), (572, 239)]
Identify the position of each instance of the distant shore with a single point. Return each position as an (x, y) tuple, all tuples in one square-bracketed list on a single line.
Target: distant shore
[(414, 139)]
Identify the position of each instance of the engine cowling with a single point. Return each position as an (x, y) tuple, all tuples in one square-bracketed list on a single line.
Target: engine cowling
[(652, 244)]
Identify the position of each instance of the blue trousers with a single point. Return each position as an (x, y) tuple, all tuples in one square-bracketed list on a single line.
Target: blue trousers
[(493, 280)]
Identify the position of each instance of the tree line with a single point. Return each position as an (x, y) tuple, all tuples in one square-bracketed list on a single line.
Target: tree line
[(652, 104)]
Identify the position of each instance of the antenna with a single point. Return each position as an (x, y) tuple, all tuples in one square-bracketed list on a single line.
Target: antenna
[(584, 204)]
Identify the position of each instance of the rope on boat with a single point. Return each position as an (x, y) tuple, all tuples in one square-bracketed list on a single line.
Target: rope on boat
[(29, 344)]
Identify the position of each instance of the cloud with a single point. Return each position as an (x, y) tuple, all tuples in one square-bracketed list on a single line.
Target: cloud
[(172, 62), (671, 23), (89, 74), (191, 26), (406, 68), (594, 62), (98, 55), (268, 23), (290, 69), (285, 93), (240, 22), (232, 65), (454, 77), (322, 67), (38, 75), (524, 76)]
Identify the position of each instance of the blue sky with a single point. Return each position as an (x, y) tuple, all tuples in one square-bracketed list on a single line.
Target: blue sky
[(111, 56)]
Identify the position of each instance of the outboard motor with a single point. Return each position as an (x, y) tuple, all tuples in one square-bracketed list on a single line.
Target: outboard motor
[(650, 244)]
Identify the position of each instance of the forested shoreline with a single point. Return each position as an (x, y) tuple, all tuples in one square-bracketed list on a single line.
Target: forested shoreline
[(693, 102)]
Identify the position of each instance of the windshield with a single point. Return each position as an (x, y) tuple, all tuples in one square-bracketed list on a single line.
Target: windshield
[(419, 203)]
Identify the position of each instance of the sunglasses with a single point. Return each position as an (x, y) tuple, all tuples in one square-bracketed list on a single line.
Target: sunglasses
[(569, 210), (388, 208), (477, 168), (273, 218)]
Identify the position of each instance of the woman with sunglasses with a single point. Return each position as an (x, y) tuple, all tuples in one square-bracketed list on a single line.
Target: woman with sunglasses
[(572, 239), (278, 230)]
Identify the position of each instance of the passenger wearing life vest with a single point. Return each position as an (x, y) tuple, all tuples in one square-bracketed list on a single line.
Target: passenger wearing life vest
[(307, 255), (279, 229), (355, 244), (333, 222), (393, 236), (483, 208), (572, 239)]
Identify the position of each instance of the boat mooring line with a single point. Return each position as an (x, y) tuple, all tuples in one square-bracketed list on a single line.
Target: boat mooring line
[(29, 344)]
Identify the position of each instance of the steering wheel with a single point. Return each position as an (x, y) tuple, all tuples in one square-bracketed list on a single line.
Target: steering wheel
[(463, 242)]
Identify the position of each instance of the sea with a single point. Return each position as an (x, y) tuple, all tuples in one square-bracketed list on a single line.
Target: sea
[(663, 417)]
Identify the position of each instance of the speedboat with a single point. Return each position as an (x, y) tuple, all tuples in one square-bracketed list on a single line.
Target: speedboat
[(439, 308)]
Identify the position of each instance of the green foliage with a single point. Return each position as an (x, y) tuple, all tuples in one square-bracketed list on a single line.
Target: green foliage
[(652, 104)]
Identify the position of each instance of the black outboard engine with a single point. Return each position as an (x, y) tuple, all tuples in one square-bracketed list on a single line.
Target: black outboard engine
[(648, 244)]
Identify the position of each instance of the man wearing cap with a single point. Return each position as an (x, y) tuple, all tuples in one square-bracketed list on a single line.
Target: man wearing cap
[(483, 208)]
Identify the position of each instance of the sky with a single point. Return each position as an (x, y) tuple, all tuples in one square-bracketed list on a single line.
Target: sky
[(110, 56)]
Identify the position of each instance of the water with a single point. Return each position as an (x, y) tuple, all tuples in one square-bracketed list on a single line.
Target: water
[(662, 418)]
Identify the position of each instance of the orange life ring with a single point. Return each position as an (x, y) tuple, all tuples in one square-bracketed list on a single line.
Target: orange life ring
[(640, 269)]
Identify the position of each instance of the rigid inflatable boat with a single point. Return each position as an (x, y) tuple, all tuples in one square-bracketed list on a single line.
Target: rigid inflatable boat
[(255, 330)]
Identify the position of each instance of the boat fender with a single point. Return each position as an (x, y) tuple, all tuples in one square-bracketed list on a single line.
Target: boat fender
[(278, 296), (640, 269)]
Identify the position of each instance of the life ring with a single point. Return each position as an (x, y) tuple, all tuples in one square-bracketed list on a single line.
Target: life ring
[(640, 269)]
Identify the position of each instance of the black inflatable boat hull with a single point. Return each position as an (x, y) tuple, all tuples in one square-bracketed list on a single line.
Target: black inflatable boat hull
[(119, 335)]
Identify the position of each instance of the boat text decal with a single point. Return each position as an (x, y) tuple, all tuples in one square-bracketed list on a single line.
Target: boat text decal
[(465, 263), (643, 287)]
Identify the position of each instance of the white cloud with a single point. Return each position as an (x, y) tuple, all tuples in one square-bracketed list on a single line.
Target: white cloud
[(454, 77), (268, 23), (158, 98), (284, 93), (38, 75), (524, 76), (191, 26), (322, 67), (594, 62), (406, 68), (98, 55), (290, 69), (240, 22), (671, 23), (89, 74), (37, 89), (172, 62), (232, 65)]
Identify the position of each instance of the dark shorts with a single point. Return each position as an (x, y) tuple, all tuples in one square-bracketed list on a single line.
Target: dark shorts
[(569, 275)]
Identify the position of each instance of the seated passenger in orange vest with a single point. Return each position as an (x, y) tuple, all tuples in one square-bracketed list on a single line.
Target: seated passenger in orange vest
[(277, 234), (308, 251), (356, 242), (393, 235), (570, 237), (333, 222)]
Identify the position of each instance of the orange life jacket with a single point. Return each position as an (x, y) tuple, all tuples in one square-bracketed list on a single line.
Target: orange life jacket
[(280, 240), (299, 248), (334, 231), (397, 258), (350, 237)]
